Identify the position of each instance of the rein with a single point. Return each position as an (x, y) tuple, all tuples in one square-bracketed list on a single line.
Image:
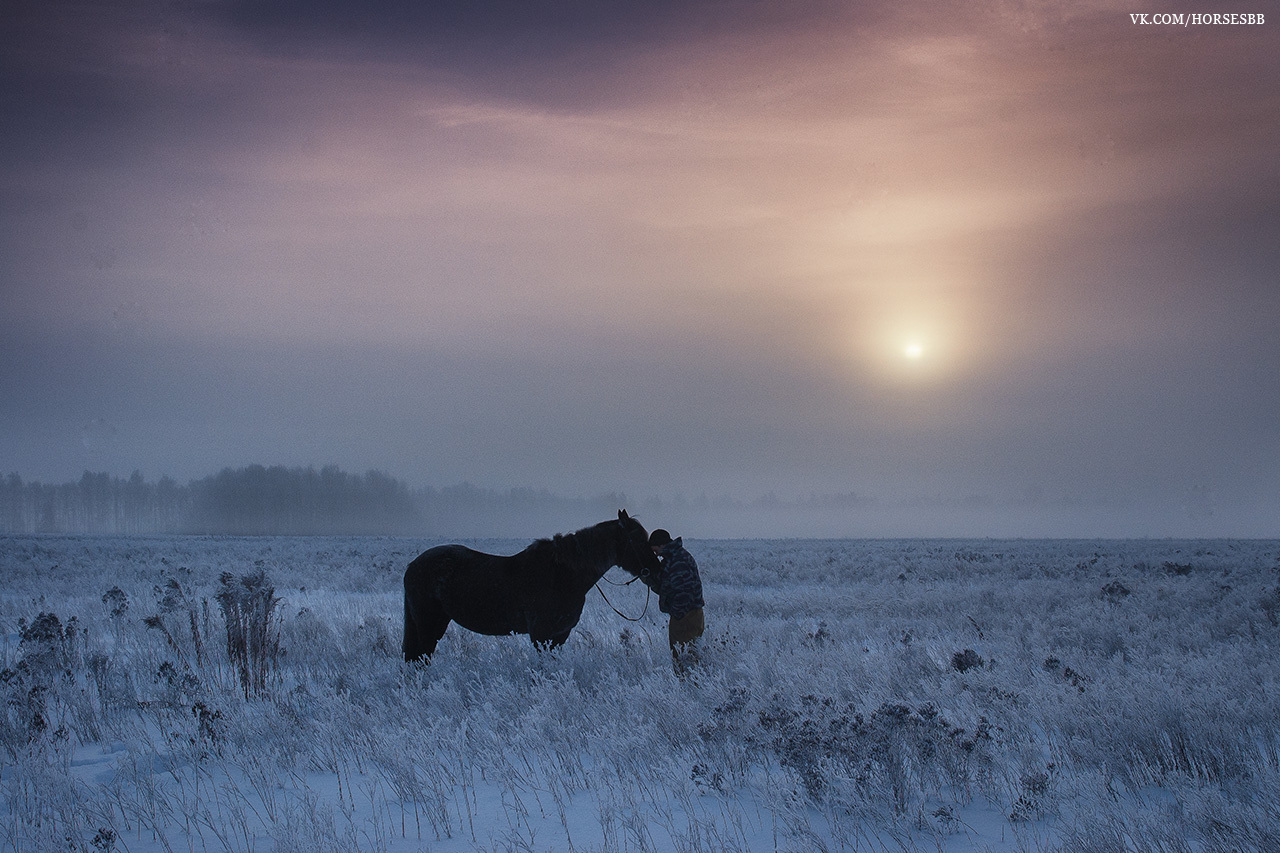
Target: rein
[(616, 610), (624, 583)]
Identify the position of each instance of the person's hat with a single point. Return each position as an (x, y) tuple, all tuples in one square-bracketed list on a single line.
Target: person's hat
[(659, 538)]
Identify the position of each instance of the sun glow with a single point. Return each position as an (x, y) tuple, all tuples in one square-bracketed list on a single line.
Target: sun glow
[(921, 345), (910, 332)]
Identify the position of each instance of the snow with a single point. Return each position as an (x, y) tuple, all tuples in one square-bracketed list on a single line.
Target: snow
[(828, 713)]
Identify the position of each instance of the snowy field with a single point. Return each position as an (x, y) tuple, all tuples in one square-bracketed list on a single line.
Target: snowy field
[(853, 695)]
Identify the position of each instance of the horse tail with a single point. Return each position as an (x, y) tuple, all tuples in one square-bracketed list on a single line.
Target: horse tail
[(409, 644)]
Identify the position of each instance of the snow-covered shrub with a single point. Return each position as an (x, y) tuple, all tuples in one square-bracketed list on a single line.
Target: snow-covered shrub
[(248, 606)]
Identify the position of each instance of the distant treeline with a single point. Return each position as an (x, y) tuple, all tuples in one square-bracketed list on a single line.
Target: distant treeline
[(258, 500), (279, 501), (252, 500)]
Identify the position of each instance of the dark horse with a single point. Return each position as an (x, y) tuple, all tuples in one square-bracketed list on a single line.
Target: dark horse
[(539, 592)]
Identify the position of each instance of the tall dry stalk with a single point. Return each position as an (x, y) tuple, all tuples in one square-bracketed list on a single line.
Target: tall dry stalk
[(253, 638)]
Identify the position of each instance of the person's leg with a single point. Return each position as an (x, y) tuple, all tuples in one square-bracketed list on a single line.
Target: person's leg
[(682, 633)]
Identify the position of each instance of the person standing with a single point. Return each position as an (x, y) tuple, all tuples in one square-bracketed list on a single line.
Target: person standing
[(679, 589)]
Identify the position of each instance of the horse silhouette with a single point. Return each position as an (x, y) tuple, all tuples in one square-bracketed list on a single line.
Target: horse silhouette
[(539, 591)]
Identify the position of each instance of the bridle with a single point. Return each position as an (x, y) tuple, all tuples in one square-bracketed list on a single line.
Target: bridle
[(631, 550)]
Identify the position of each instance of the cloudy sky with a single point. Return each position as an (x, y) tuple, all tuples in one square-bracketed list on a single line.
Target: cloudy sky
[(1019, 255)]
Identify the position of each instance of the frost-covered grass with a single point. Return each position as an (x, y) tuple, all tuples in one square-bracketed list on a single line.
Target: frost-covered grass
[(852, 695)]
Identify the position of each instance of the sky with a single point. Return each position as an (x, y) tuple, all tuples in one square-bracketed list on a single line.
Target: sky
[(999, 268)]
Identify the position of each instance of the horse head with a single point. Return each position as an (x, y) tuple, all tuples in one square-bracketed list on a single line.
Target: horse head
[(634, 554)]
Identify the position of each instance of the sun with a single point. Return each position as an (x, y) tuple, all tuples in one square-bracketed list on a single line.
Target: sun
[(910, 347)]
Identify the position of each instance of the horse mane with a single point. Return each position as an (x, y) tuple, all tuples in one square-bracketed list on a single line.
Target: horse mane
[(590, 546)]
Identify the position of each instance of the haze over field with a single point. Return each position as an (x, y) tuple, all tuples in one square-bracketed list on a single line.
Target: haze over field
[(1005, 268)]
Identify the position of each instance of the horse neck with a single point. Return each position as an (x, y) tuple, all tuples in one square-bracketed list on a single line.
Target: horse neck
[(597, 552)]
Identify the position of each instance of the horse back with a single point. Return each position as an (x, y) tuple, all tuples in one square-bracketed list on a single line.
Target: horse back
[(445, 564), (482, 592)]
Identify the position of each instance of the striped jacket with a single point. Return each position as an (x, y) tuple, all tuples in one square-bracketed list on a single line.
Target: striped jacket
[(677, 583)]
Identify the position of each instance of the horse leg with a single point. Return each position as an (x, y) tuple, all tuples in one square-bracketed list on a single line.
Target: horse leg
[(424, 625)]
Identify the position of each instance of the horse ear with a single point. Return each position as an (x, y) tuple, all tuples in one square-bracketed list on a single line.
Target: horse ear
[(622, 515)]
